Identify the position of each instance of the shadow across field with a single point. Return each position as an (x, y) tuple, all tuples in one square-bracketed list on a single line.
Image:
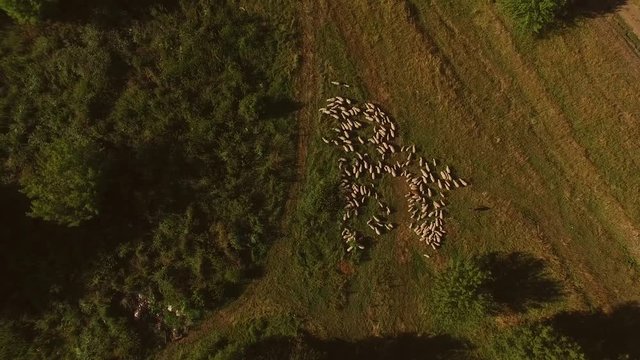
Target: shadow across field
[(519, 281), (405, 346), (281, 107), (592, 8), (5, 20), (604, 335), (39, 262)]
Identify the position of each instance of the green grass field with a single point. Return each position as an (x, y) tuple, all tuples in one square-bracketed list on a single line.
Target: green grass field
[(184, 206), (546, 129)]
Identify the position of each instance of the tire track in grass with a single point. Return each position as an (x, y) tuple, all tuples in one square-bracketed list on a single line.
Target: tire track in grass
[(465, 48), (543, 139), (556, 132)]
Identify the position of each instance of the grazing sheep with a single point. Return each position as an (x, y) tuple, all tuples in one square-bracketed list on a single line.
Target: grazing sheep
[(420, 200)]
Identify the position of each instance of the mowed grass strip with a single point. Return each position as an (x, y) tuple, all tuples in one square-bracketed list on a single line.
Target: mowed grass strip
[(514, 141)]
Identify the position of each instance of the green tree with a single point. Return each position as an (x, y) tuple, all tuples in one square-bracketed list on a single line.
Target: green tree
[(534, 16), (26, 11), (63, 185), (458, 293), (536, 342)]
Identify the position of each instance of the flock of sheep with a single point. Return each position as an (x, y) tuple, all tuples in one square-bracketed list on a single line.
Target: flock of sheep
[(368, 158)]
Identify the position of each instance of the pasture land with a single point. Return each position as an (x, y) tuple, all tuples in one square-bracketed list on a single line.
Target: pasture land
[(547, 130)]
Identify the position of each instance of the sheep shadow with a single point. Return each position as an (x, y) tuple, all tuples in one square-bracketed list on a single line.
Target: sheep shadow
[(604, 335), (404, 346), (519, 281)]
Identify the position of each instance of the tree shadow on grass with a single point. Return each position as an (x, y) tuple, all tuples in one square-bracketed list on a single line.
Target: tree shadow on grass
[(584, 9), (576, 10), (39, 261), (404, 346), (613, 335), (592, 8), (5, 20), (281, 107), (520, 281)]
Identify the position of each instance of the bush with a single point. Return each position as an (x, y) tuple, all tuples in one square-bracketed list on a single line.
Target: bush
[(26, 11), (536, 342), (534, 16), (459, 295), (106, 338), (177, 269), (64, 184)]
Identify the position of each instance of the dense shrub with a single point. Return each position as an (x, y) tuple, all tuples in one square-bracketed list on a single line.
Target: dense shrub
[(163, 133), (536, 342), (63, 185), (458, 294), (534, 16), (90, 331), (26, 11)]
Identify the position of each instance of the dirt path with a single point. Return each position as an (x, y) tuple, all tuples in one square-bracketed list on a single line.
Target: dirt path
[(307, 83)]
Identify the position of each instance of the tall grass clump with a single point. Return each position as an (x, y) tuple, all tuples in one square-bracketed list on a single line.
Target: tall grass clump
[(534, 16), (459, 296)]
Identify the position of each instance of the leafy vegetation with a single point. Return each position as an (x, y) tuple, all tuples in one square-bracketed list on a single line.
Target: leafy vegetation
[(26, 11), (536, 342), (534, 16), (63, 184), (459, 294), (170, 158)]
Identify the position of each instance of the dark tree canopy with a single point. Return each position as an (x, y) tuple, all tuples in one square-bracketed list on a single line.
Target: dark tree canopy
[(161, 144)]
